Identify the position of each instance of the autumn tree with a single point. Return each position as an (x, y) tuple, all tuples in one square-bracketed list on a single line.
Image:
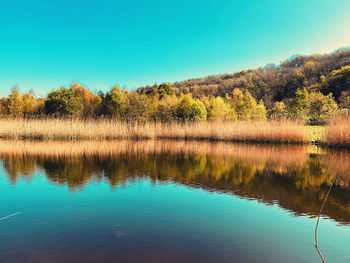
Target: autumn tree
[(245, 105), (166, 108), (218, 109), (237, 102), (90, 105), (344, 99), (138, 107), (278, 111), (259, 112), (15, 103), (3, 106)]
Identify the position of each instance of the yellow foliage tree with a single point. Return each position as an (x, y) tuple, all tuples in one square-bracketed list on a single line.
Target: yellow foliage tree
[(218, 109)]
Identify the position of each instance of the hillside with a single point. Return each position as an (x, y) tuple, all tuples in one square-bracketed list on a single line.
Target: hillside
[(325, 73)]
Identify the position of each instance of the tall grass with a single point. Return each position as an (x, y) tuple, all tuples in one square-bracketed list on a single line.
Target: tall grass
[(338, 132), (63, 129), (244, 131)]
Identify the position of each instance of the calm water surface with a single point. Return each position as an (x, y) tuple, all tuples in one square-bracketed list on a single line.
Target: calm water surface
[(171, 202)]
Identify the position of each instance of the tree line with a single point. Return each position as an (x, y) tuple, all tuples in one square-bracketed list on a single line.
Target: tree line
[(309, 88)]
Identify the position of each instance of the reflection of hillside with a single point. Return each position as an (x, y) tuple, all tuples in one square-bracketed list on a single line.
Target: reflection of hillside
[(288, 176)]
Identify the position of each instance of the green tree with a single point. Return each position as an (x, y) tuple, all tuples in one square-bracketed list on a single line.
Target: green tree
[(320, 108), (189, 109), (337, 81), (198, 111), (300, 105), (114, 103), (63, 102), (165, 89)]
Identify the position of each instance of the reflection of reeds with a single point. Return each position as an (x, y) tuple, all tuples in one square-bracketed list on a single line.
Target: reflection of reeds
[(255, 153), (339, 163), (60, 129), (278, 157)]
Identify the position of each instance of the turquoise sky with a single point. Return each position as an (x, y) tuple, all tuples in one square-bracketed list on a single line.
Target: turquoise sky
[(99, 43)]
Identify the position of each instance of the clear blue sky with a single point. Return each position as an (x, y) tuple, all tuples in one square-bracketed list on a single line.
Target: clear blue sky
[(46, 44)]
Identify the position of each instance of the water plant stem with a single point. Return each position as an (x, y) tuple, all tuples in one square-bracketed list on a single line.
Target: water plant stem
[(9, 216), (318, 220)]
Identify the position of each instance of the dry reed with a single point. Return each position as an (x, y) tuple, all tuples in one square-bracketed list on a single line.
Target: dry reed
[(338, 132), (62, 129)]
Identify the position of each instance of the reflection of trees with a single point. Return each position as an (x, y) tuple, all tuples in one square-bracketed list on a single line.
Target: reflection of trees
[(299, 185), (19, 166), (73, 172)]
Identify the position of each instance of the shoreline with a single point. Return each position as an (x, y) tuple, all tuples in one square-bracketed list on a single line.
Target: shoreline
[(190, 140)]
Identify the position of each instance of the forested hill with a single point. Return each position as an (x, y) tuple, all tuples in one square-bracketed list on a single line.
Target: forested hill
[(325, 73)]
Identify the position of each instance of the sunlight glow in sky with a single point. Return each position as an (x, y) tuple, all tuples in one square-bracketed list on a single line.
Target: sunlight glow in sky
[(100, 43)]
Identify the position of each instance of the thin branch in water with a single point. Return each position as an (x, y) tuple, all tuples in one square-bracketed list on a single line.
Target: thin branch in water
[(9, 216), (318, 220)]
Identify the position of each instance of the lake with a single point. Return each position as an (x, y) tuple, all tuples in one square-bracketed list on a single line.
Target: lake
[(171, 201)]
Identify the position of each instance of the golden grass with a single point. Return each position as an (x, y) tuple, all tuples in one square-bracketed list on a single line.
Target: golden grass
[(62, 129), (338, 132)]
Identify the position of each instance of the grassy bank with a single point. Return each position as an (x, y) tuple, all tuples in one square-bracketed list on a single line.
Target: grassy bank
[(244, 131)]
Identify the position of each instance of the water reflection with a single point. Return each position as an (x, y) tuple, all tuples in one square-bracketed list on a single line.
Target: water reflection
[(295, 177)]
